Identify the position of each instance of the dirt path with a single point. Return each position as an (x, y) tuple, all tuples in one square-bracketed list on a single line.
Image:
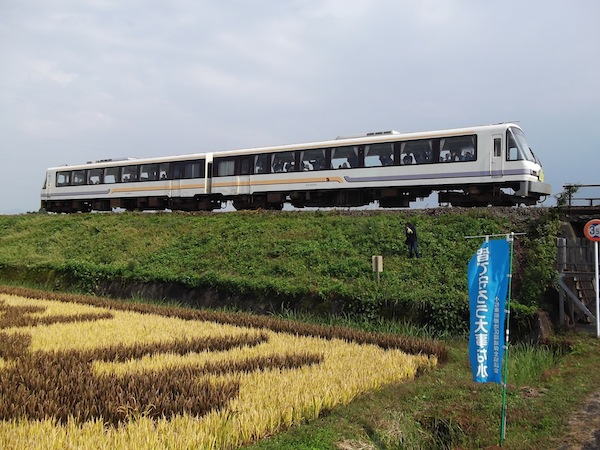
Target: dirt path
[(584, 427)]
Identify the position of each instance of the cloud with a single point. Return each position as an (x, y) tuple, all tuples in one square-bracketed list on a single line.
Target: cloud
[(102, 78)]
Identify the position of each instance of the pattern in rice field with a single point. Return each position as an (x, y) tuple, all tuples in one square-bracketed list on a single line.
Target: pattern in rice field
[(62, 384), (87, 372)]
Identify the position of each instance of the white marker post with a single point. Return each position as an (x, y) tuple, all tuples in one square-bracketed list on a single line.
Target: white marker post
[(377, 262), (592, 232)]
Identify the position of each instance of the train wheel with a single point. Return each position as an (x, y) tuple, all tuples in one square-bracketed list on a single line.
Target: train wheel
[(275, 206)]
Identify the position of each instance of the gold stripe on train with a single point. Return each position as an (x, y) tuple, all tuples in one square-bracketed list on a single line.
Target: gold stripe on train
[(232, 184)]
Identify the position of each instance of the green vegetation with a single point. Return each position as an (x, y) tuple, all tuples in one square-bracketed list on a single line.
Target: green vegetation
[(317, 261), (445, 409)]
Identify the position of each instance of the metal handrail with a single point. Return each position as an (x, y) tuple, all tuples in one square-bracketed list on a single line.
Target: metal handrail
[(573, 189)]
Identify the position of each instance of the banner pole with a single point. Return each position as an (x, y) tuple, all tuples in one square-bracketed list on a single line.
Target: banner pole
[(511, 239)]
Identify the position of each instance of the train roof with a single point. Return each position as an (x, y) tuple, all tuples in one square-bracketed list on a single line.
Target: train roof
[(340, 141)]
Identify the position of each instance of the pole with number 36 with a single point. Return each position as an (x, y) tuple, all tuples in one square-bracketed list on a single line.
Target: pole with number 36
[(592, 232)]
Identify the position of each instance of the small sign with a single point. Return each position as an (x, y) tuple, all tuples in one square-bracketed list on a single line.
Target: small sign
[(377, 263), (592, 230)]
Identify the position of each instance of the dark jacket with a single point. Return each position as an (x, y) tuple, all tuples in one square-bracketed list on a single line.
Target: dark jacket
[(411, 233)]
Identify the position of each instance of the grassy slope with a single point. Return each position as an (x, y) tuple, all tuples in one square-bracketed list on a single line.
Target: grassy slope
[(307, 255)]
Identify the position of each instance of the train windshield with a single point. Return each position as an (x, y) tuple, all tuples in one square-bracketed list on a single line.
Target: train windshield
[(518, 149)]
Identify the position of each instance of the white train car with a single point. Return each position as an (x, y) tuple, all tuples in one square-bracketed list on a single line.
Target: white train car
[(478, 166)]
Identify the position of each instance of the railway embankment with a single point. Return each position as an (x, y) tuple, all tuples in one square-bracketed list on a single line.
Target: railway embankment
[(314, 261)]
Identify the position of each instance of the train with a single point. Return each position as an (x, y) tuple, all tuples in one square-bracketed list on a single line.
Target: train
[(489, 165)]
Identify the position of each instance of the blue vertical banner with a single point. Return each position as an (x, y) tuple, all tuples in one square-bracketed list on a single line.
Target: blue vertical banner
[(487, 277)]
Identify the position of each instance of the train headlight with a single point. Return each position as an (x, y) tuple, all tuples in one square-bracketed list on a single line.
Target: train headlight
[(541, 176)]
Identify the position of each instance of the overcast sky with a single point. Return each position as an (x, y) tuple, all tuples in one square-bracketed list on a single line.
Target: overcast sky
[(93, 79)]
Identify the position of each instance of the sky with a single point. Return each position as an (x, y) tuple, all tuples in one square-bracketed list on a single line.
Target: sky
[(85, 80)]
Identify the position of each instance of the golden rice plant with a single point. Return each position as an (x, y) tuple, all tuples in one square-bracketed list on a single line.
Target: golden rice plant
[(61, 384), (180, 380), (24, 316), (408, 344)]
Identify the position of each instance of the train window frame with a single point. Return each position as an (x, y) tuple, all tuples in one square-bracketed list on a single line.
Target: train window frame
[(164, 171), (97, 172), (66, 178), (224, 167), (352, 161), (78, 178), (422, 153), (151, 169), (188, 169), (282, 162), (466, 152), (375, 159), (245, 165), (313, 159), (497, 147), (194, 169), (521, 151), (130, 173), (114, 172), (262, 163)]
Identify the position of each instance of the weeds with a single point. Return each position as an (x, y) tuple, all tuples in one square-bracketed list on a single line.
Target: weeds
[(527, 363)]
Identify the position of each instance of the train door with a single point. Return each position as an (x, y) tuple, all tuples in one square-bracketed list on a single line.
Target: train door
[(244, 170), (48, 183), (497, 164)]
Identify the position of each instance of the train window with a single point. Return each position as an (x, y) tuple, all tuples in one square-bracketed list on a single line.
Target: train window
[(379, 155), (284, 162), (178, 170), (497, 147), (313, 159), (163, 171), (63, 178), (344, 157), (78, 177), (193, 169), (95, 176), (261, 163), (458, 148), (149, 172), (518, 149), (245, 165), (416, 152), (224, 167), (188, 169), (111, 175), (129, 174)]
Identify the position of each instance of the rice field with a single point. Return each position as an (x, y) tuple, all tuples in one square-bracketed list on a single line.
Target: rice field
[(97, 374)]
